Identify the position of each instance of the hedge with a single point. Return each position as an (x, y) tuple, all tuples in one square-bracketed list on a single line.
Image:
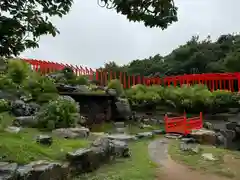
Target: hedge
[(186, 98)]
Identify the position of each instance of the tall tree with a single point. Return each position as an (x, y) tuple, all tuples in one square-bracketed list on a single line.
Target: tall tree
[(22, 22)]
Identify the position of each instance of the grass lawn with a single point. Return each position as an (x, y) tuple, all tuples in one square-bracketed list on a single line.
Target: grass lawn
[(22, 148), (227, 162), (137, 167)]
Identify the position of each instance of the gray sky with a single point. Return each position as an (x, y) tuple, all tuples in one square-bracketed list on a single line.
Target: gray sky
[(91, 35)]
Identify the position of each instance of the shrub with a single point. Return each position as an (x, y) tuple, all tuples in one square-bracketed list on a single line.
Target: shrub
[(81, 80), (116, 84), (5, 120), (60, 113), (189, 98), (18, 70), (145, 96), (223, 99), (4, 105), (6, 83), (41, 88)]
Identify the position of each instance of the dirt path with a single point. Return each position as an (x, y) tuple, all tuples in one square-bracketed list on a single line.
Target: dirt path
[(170, 170)]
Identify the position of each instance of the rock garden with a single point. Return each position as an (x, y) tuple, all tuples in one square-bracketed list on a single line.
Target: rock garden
[(48, 132)]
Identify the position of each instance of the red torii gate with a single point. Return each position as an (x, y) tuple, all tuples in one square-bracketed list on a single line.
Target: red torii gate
[(224, 81)]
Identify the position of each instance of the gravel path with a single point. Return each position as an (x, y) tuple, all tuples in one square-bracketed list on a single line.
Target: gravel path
[(170, 170)]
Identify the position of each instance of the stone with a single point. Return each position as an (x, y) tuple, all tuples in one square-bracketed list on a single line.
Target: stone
[(34, 108), (233, 110), (72, 133), (188, 140), (119, 124), (123, 108), (82, 120), (209, 156), (8, 171), (231, 125), (158, 131), (144, 135), (44, 170), (122, 137), (79, 160), (208, 125), (121, 130), (204, 136), (189, 147), (144, 126), (101, 150), (145, 120), (25, 121), (111, 92), (66, 88), (120, 127), (225, 138), (20, 108), (120, 148), (44, 140), (230, 134), (12, 129), (68, 98), (173, 136), (82, 89)]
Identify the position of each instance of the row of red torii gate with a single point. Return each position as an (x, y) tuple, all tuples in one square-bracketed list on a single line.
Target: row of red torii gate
[(214, 81)]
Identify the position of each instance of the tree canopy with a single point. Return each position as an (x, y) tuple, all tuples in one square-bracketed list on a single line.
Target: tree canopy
[(22, 22), (195, 56)]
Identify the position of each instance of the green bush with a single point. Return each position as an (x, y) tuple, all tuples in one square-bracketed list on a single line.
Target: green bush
[(41, 88), (81, 80), (223, 99), (189, 98), (5, 120), (7, 83), (18, 70), (140, 95), (116, 84), (60, 113), (4, 105)]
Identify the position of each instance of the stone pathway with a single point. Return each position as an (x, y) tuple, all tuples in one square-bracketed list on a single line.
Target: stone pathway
[(170, 170)]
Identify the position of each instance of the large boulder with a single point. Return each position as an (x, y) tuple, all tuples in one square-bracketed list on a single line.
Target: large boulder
[(80, 160), (44, 140), (72, 133), (190, 147), (111, 92), (8, 171), (25, 121), (82, 89), (20, 108), (123, 108), (44, 170), (204, 136), (101, 151)]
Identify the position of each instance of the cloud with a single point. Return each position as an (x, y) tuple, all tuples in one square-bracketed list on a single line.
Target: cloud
[(91, 35)]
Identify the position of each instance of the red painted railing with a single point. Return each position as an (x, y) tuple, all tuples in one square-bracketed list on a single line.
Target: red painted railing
[(182, 124), (214, 81), (47, 67)]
